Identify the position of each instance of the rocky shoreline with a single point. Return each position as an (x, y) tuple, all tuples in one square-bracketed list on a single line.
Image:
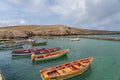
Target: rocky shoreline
[(100, 38), (26, 31)]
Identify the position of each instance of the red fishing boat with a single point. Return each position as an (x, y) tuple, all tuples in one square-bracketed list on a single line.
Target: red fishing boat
[(45, 50), (25, 52), (34, 51)]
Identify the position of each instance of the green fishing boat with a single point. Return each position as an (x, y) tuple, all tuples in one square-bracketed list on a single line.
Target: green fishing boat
[(39, 44), (49, 56)]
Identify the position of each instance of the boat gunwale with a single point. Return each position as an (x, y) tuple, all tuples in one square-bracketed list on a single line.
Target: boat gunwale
[(66, 50)]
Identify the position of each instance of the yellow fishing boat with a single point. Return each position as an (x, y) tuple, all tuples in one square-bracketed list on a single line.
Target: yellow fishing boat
[(66, 70)]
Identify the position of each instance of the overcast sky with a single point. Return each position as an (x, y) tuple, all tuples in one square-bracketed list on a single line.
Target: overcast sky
[(89, 14)]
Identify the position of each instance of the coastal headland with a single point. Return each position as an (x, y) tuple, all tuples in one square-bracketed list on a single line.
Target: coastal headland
[(26, 31)]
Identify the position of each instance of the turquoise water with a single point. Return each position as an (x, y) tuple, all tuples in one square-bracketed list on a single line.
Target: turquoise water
[(106, 65)]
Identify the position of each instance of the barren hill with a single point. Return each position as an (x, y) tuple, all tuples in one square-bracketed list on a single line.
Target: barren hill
[(25, 31)]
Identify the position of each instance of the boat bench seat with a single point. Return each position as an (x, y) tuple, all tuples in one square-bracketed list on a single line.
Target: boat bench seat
[(67, 70), (45, 75), (76, 66), (60, 71)]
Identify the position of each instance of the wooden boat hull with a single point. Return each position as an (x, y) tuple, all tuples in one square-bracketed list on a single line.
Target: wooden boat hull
[(39, 44), (11, 47), (66, 76), (69, 75), (37, 57), (45, 51), (75, 39), (24, 52), (33, 51), (2, 42), (63, 73), (29, 41)]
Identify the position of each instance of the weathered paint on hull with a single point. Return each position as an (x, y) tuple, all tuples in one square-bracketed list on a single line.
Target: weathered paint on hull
[(50, 58), (68, 75), (39, 44), (11, 48), (54, 73)]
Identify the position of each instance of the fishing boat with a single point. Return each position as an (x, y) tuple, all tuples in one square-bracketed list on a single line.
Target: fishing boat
[(5, 39), (8, 47), (39, 44), (29, 41), (75, 39), (2, 76), (66, 70), (2, 42), (33, 51), (25, 52), (49, 56), (45, 50)]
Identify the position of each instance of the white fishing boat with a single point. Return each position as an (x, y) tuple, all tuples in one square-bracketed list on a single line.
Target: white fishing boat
[(75, 39)]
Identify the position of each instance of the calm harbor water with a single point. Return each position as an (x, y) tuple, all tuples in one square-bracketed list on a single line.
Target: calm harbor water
[(106, 65), (115, 36)]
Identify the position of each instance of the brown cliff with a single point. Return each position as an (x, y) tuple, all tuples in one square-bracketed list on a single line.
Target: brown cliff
[(25, 31)]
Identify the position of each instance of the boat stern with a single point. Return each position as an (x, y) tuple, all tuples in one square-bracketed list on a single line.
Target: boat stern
[(44, 76)]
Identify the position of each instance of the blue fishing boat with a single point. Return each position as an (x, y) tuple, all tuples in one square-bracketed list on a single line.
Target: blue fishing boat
[(9, 47)]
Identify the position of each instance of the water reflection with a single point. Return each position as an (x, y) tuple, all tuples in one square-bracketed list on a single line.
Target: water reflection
[(20, 57)]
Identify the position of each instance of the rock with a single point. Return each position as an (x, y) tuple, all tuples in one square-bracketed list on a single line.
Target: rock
[(25, 31)]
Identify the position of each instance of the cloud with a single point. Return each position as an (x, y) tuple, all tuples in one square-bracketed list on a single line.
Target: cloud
[(22, 21), (13, 22), (14, 1), (93, 13), (19, 11), (5, 22), (4, 7), (31, 7), (69, 8)]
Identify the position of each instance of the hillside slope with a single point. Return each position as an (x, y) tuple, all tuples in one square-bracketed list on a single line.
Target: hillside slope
[(25, 31)]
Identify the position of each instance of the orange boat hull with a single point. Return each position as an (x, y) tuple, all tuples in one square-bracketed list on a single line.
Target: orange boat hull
[(67, 70)]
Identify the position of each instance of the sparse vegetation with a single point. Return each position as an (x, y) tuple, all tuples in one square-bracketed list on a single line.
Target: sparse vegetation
[(25, 31)]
